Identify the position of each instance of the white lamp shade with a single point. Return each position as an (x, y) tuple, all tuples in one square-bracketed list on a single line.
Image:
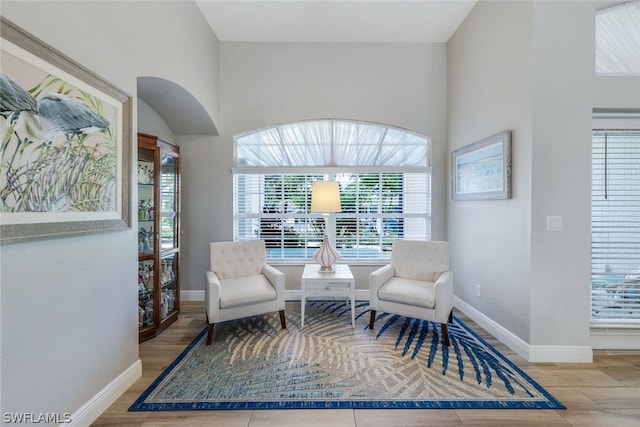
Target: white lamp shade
[(325, 197)]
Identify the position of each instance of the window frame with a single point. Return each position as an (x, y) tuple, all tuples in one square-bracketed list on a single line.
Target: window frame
[(608, 122), (328, 172)]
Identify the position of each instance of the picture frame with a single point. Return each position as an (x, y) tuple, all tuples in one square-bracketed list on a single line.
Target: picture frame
[(65, 154), (482, 170)]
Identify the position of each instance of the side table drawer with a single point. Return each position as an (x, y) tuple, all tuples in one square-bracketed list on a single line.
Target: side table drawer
[(327, 286)]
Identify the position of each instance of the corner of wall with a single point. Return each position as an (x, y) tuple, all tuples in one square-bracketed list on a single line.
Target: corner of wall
[(531, 353)]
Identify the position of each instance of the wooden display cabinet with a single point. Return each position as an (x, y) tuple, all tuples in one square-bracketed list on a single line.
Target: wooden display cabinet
[(158, 235)]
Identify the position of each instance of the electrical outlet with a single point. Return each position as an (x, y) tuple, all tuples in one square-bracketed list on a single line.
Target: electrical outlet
[(478, 290)]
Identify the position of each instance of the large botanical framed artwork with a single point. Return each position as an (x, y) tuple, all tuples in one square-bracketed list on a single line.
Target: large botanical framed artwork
[(65, 164), (482, 170)]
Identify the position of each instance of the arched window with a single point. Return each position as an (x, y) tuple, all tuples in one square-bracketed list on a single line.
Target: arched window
[(385, 187), (618, 39)]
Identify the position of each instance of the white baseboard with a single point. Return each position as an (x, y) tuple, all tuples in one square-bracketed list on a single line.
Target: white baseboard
[(289, 295), (192, 295), (520, 347), (532, 353), (560, 353), (90, 411)]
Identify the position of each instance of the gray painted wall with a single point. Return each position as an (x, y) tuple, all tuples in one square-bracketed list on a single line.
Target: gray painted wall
[(561, 172), (515, 65), (617, 92), (68, 308), (150, 122), (263, 84), (490, 90)]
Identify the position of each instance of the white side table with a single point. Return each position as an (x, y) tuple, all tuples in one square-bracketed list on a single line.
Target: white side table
[(339, 283)]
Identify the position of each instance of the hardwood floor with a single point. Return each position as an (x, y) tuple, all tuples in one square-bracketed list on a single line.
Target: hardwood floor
[(604, 393)]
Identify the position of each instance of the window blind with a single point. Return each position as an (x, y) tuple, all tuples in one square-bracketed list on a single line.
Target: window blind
[(275, 208), (377, 208), (615, 247)]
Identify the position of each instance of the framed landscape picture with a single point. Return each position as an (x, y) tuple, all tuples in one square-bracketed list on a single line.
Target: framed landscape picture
[(65, 161), (482, 170)]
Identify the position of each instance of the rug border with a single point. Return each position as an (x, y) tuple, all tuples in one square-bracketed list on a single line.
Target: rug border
[(504, 358), (550, 403)]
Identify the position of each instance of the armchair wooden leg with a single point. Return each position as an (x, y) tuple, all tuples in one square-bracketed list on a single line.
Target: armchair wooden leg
[(372, 319), (210, 333), (283, 321), (445, 334)]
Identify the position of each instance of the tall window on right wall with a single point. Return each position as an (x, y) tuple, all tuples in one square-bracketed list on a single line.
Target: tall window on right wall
[(615, 228), (615, 194)]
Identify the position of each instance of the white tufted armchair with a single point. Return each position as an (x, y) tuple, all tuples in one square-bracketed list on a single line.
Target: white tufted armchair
[(417, 283), (241, 284)]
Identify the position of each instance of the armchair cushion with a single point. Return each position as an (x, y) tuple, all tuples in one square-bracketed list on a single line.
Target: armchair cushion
[(246, 290), (419, 261), (408, 291), (238, 259)]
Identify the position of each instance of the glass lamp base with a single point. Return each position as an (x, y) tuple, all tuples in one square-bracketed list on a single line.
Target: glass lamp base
[(326, 256)]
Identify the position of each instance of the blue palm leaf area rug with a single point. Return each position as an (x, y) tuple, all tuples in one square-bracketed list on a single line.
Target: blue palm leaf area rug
[(254, 364)]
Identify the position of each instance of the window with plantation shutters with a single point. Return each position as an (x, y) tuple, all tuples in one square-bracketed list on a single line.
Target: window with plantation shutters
[(385, 187), (615, 253)]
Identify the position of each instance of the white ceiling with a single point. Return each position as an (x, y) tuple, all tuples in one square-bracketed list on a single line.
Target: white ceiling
[(378, 21)]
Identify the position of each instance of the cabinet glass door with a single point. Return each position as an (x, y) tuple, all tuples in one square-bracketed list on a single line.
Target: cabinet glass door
[(169, 286), (145, 294), (146, 199), (169, 197)]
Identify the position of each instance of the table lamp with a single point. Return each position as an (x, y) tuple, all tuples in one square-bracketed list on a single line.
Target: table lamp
[(325, 198)]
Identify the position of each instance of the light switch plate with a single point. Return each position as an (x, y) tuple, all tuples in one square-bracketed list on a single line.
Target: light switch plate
[(554, 223)]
